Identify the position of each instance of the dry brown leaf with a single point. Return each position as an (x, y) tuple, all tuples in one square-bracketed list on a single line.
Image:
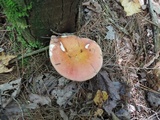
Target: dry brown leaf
[(131, 6), (39, 100), (4, 61), (93, 5), (9, 91)]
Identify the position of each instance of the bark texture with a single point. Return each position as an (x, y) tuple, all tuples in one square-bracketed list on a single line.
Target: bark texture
[(58, 15), (154, 7)]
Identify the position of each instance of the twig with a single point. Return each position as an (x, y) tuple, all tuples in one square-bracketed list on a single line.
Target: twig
[(19, 107), (154, 115), (148, 89), (113, 22), (152, 60), (56, 33), (30, 54)]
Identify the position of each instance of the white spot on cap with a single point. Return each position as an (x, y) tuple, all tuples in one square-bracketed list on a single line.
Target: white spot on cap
[(64, 36), (86, 46), (51, 46), (62, 47)]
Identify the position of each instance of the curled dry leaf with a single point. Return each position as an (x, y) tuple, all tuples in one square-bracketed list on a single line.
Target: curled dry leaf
[(4, 61), (44, 84), (99, 112), (93, 5), (100, 98), (9, 91)]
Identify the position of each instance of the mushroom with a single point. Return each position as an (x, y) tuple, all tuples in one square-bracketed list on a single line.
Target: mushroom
[(78, 59)]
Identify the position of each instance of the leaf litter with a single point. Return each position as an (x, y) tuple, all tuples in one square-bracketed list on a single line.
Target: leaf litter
[(36, 101), (124, 58), (4, 62), (131, 6), (58, 88)]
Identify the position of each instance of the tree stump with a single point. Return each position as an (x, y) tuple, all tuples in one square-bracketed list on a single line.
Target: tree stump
[(58, 15)]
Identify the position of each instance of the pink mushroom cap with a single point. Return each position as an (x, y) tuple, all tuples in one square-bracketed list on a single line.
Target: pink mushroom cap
[(78, 59)]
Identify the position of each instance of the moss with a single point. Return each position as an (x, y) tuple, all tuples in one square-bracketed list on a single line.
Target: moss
[(16, 12)]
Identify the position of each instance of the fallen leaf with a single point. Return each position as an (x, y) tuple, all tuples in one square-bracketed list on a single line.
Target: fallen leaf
[(154, 99), (4, 61), (13, 109), (32, 106), (131, 6), (99, 112), (115, 89), (111, 34), (60, 89), (93, 5), (100, 98), (64, 91), (9, 91), (112, 87), (123, 114), (39, 100), (41, 82)]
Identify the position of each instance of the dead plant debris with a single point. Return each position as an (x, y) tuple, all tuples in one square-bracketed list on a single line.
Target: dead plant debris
[(126, 88)]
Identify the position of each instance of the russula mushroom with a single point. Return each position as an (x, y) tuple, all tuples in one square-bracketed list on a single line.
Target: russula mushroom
[(78, 59)]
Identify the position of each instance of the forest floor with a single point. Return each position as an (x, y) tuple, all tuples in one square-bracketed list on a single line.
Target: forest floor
[(126, 88)]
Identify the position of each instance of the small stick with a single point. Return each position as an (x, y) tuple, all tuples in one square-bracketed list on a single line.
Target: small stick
[(56, 33), (152, 60), (30, 54), (148, 89)]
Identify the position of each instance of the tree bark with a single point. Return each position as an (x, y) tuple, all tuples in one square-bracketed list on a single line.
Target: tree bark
[(155, 13), (58, 15)]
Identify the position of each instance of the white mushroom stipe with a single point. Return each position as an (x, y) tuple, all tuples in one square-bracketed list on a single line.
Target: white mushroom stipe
[(51, 46), (86, 46), (62, 47), (54, 39)]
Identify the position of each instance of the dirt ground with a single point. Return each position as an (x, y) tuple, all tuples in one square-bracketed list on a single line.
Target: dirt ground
[(126, 88)]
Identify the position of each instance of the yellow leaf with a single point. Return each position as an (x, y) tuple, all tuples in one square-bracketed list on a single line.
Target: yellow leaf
[(4, 60), (99, 112), (131, 6), (100, 97)]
